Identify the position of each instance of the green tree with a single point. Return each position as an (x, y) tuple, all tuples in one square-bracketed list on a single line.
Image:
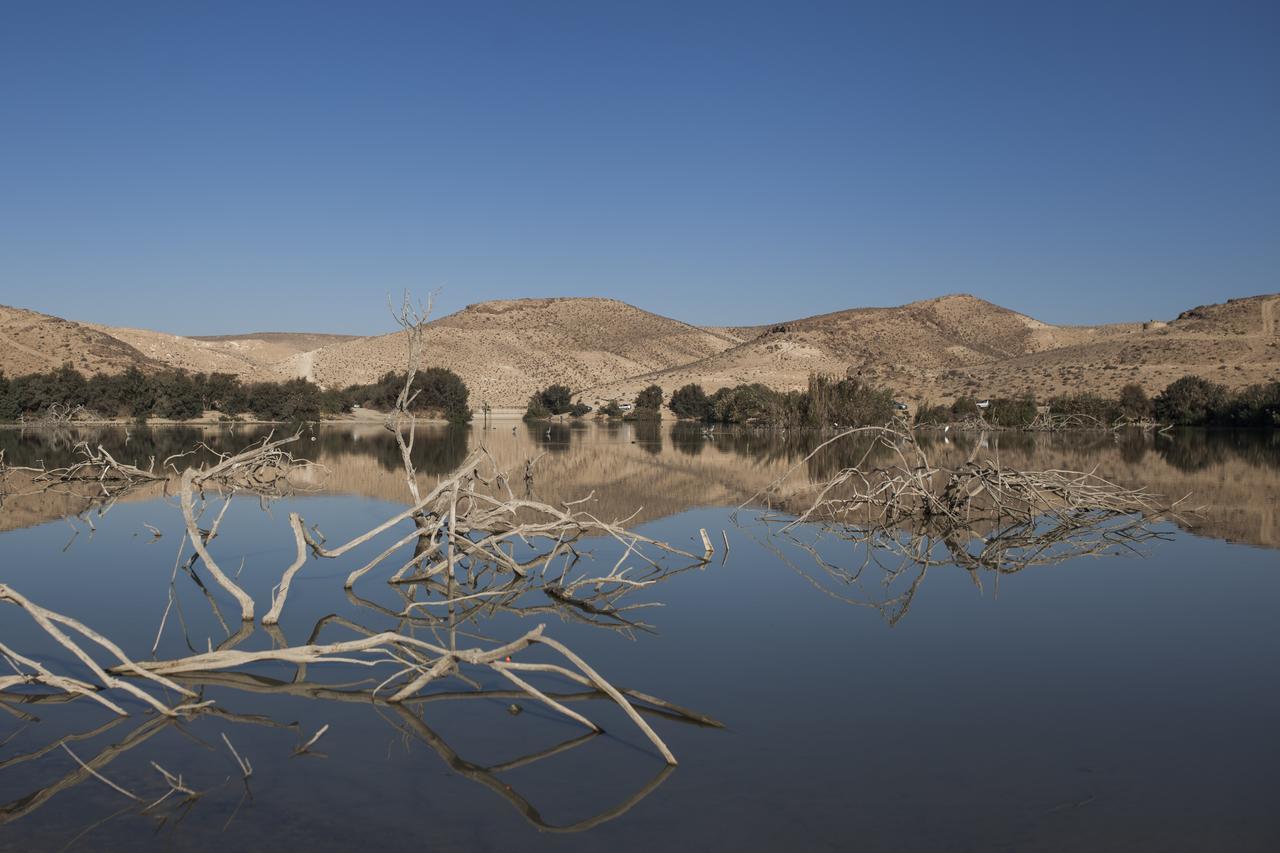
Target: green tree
[(1256, 406), (650, 399), (1134, 402), (176, 396), (1012, 412), (690, 402), (965, 407), (9, 409), (932, 415), (558, 399), (537, 408), (848, 402), (1191, 401)]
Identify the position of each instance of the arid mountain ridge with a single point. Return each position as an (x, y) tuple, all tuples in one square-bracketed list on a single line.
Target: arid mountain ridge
[(934, 349)]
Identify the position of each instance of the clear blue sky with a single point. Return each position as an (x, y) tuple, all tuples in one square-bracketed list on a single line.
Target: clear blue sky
[(216, 167)]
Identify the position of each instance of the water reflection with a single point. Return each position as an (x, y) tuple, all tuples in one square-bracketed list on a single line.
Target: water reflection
[(723, 622), (474, 601), (667, 468)]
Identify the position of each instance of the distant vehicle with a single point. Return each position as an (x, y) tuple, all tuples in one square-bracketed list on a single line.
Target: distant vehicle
[(982, 404), (901, 407), (626, 407)]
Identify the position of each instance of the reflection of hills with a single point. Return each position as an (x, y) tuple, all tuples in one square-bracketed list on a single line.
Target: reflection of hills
[(1236, 482), (663, 470), (624, 476)]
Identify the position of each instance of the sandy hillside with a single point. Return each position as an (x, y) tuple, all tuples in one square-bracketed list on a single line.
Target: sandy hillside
[(273, 349), (918, 340), (936, 349), (1235, 343), (737, 334), (939, 349), (262, 355), (31, 342), (506, 350)]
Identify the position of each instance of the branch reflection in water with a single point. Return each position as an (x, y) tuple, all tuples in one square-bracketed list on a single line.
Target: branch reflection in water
[(901, 515), (478, 551)]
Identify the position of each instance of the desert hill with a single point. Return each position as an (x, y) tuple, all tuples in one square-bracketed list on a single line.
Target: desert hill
[(1234, 343), (31, 342), (261, 355), (953, 345), (912, 343), (935, 349), (508, 349)]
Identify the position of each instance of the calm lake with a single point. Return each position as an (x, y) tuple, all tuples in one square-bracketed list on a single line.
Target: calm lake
[(1121, 701)]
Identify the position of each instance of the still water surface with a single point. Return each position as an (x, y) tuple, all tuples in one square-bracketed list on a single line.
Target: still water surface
[(1112, 703)]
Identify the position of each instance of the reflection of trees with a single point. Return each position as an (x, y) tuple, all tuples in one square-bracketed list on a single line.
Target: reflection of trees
[(689, 438), (554, 437), (440, 448), (1133, 445), (1191, 449), (648, 435), (56, 448)]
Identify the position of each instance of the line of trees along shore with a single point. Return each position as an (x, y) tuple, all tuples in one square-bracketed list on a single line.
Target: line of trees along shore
[(828, 400), (1189, 401), (179, 395)]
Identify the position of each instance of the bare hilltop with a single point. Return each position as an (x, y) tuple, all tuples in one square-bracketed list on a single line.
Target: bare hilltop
[(935, 349)]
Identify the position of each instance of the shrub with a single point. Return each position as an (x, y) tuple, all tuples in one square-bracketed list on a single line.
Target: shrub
[(848, 402), (1020, 412), (557, 398), (9, 409), (1191, 401), (1134, 402), (1088, 405), (690, 402), (552, 400), (965, 407), (744, 404), (435, 390), (537, 409), (929, 414), (1256, 406), (650, 399)]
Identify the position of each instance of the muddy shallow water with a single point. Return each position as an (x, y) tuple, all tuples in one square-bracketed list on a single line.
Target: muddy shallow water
[(1122, 702)]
